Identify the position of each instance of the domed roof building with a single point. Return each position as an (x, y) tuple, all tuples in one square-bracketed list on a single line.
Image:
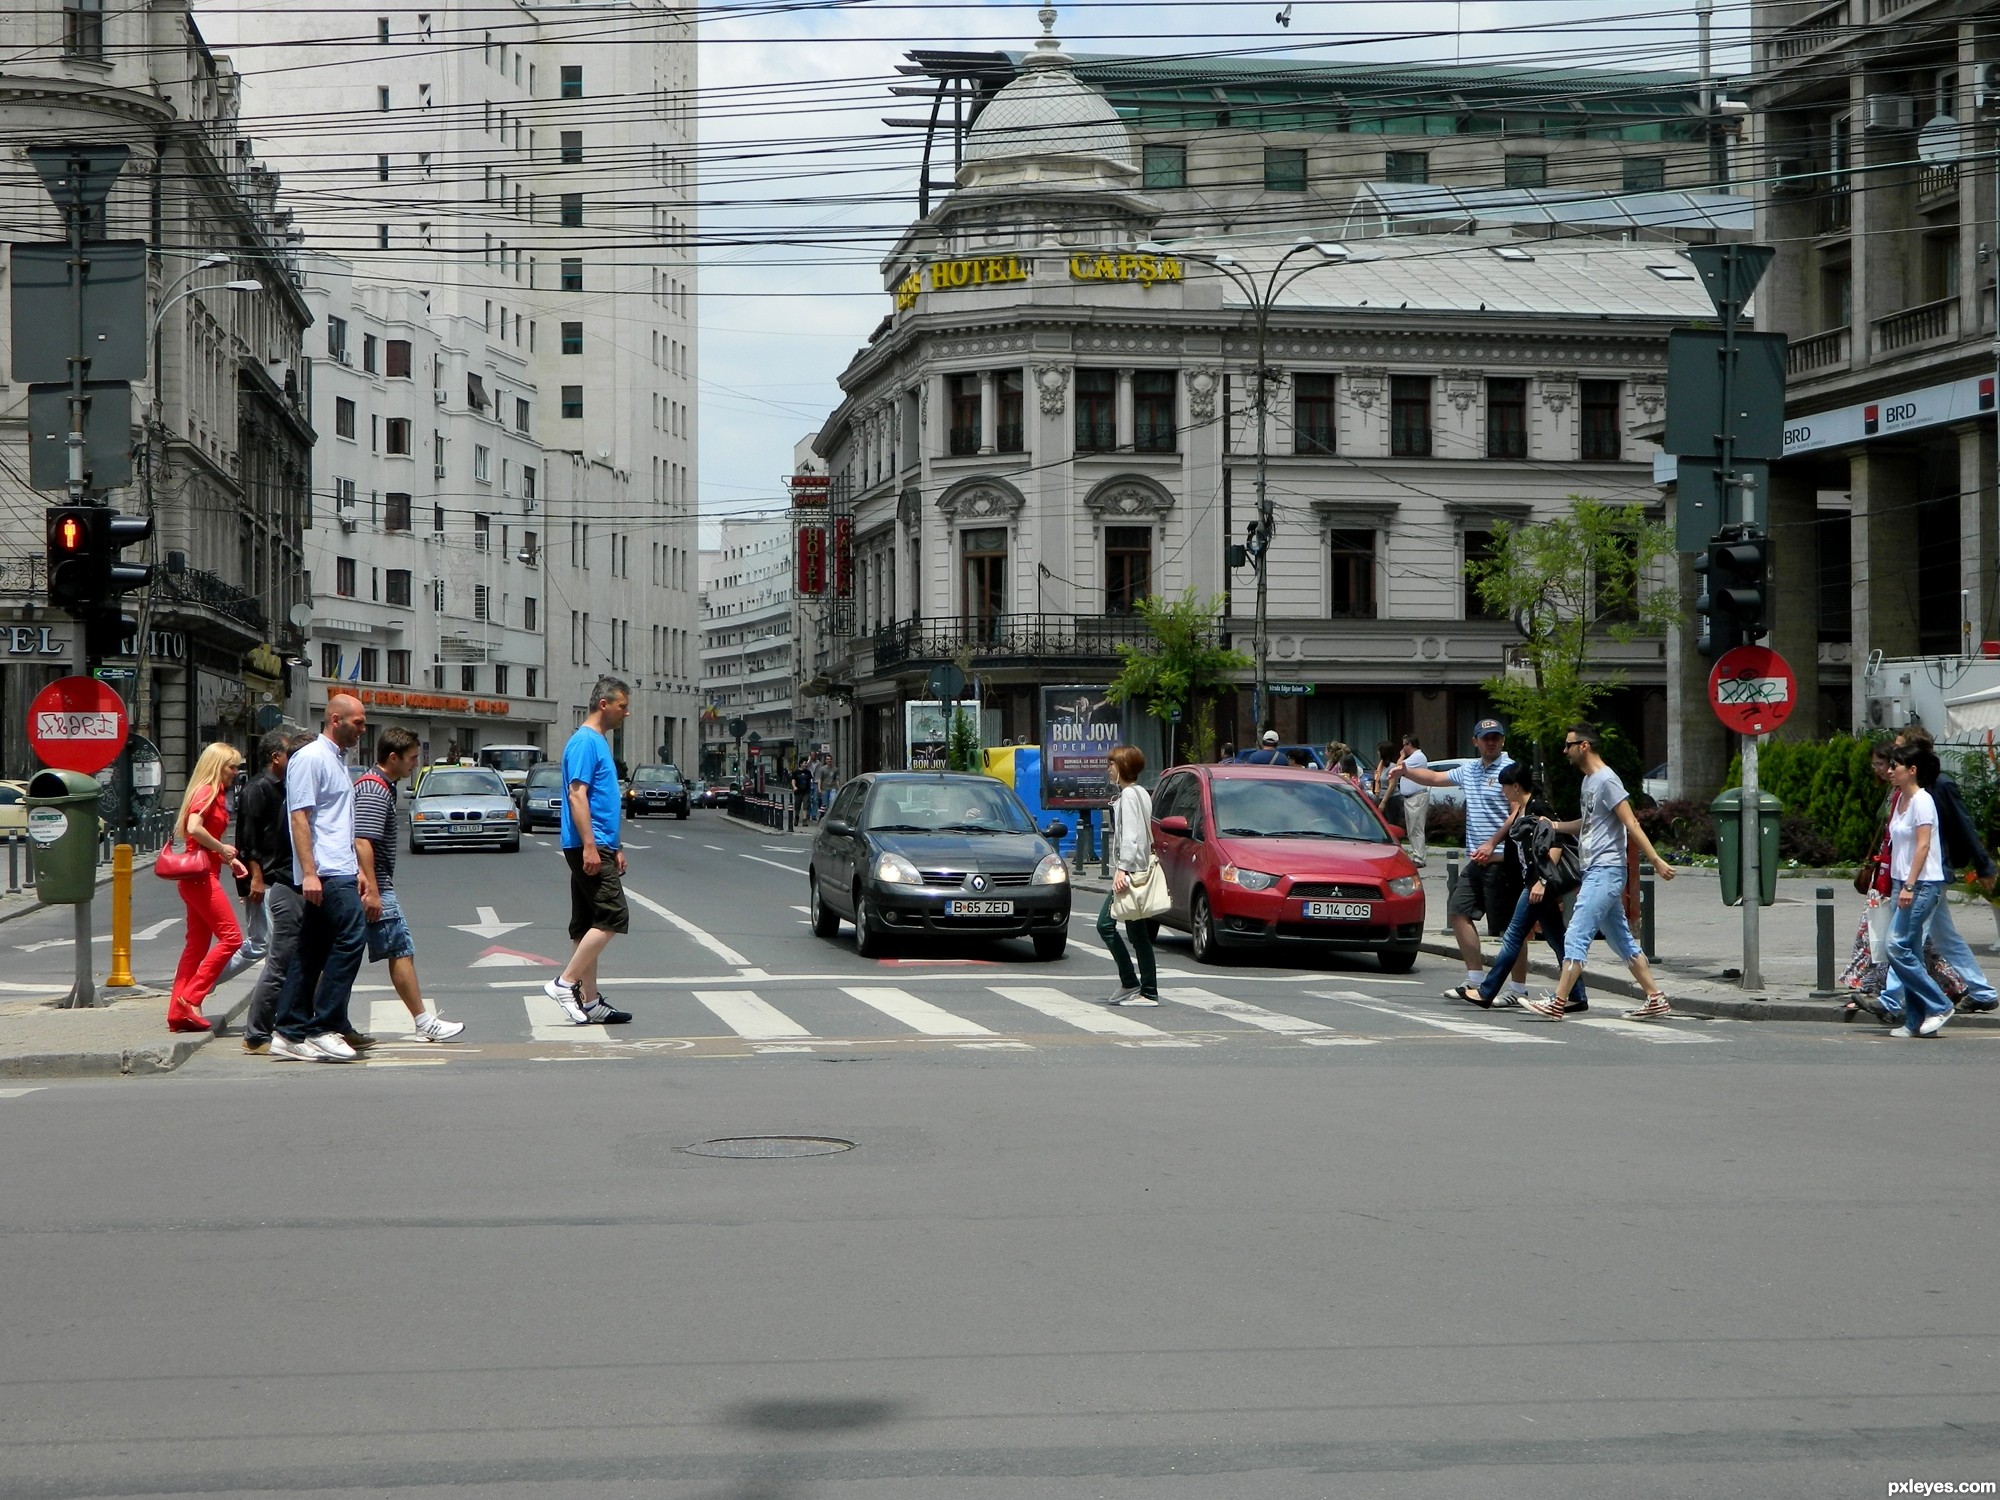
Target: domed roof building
[(1049, 128)]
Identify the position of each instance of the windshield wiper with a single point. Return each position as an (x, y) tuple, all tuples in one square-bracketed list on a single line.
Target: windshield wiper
[(1244, 833), (972, 828), (897, 828), (1303, 833)]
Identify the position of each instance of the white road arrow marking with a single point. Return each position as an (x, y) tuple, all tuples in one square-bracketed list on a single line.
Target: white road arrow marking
[(489, 924), (144, 935)]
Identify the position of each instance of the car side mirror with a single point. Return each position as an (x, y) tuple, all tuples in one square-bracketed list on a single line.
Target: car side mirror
[(837, 825), (1396, 832), (1056, 831), (1177, 826)]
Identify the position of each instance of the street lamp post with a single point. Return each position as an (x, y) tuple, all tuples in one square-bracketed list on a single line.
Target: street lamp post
[(1263, 296)]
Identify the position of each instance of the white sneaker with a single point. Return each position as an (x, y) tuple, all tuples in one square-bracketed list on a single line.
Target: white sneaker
[(1902, 1031), (1932, 1025), (567, 997), (290, 1051), (433, 1027), (331, 1046)]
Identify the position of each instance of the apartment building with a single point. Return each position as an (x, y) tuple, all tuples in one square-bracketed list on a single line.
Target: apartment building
[(534, 188), (746, 648), (220, 429)]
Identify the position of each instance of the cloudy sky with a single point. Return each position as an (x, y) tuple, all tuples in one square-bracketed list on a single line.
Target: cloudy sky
[(804, 187)]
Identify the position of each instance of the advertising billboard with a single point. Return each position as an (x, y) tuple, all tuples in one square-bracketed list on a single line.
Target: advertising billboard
[(1080, 728)]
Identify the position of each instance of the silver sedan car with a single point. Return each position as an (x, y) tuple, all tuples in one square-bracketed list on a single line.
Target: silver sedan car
[(468, 807)]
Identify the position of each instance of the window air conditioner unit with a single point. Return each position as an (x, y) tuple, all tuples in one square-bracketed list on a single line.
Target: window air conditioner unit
[(437, 396), (1882, 112), (342, 357), (348, 523), (1986, 89), (1889, 713)]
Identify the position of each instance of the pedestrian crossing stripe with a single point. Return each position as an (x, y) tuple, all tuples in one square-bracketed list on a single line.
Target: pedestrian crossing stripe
[(918, 1015), (749, 1015), (1484, 1030)]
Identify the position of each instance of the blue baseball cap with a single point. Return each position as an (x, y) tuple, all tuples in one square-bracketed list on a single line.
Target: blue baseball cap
[(1489, 726)]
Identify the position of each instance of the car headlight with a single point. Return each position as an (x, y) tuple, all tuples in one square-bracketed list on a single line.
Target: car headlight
[(510, 814), (1250, 880), (1403, 885), (1051, 871), (421, 817), (893, 869)]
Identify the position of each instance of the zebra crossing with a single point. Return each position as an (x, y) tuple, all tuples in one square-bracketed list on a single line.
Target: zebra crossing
[(759, 1013)]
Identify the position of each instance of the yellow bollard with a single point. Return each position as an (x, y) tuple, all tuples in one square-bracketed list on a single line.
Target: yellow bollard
[(121, 918)]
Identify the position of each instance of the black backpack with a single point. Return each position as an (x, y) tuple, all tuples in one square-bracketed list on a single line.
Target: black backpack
[(1558, 861)]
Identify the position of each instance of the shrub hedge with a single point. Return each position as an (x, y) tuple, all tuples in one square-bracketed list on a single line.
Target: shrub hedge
[(1833, 803)]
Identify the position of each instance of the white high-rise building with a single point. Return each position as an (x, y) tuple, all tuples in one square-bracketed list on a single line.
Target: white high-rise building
[(533, 186), (746, 648)]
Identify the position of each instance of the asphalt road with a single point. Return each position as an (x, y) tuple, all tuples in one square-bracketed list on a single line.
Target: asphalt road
[(1311, 1232)]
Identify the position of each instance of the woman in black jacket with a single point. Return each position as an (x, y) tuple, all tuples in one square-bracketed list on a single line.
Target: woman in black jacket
[(1546, 877)]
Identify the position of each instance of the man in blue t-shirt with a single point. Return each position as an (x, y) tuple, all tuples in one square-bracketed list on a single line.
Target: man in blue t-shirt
[(590, 814)]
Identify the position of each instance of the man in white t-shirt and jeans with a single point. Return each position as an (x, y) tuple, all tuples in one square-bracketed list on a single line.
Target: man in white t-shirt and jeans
[(1607, 822)]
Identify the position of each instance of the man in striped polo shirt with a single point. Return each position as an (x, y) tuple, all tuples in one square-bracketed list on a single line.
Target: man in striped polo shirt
[(1490, 884)]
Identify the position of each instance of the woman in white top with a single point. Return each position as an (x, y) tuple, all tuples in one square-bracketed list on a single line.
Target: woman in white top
[(1131, 854), (1916, 875)]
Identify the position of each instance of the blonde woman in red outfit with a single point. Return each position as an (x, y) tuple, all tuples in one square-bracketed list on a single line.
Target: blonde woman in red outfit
[(212, 934)]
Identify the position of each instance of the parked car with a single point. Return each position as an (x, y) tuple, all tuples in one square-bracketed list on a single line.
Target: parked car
[(1654, 784), (1315, 757), (935, 853), (659, 789), (1448, 796), (540, 797), (1271, 857), (463, 807), (13, 811)]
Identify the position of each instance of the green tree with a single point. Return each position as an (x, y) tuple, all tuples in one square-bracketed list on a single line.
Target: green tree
[(1571, 583), (1182, 659), (962, 750)]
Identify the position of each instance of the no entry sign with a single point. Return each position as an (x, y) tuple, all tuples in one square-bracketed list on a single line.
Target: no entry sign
[(77, 724), (1752, 689)]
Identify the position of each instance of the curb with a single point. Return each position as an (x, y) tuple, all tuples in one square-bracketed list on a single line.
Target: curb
[(150, 1058)]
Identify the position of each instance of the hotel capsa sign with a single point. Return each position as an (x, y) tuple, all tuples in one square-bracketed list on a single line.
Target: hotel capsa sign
[(964, 272)]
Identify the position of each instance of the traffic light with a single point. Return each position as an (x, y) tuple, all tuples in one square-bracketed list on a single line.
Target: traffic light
[(85, 572), (1738, 585), (71, 569)]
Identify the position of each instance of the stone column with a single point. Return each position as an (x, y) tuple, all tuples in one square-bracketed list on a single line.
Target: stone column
[(1978, 510), (1886, 484), (989, 420), (1127, 420), (1793, 512)]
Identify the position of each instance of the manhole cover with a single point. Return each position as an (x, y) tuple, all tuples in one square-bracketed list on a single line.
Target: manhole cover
[(764, 1147)]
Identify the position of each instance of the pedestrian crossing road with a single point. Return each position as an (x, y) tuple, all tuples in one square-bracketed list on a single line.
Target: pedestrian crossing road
[(760, 1014)]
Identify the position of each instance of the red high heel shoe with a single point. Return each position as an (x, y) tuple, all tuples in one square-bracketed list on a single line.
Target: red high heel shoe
[(182, 1016)]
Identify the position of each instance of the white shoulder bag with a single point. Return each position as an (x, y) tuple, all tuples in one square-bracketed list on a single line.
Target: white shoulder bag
[(1145, 895)]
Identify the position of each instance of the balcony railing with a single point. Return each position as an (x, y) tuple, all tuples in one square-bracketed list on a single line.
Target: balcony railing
[(1836, 209), (1938, 180), (1009, 638), (1821, 28), (1927, 324), (1822, 351), (199, 586), (23, 575)]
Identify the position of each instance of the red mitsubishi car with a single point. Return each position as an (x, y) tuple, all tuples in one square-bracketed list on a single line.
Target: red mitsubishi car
[(1265, 855)]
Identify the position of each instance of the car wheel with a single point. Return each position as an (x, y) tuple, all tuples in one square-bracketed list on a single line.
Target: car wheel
[(1201, 927), (415, 847), (1397, 960), (1049, 945), (869, 940), (512, 846), (682, 814), (825, 920)]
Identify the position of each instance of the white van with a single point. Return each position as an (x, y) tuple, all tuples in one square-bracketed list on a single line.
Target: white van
[(511, 761)]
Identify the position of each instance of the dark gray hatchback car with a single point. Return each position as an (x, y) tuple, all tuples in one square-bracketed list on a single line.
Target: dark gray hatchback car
[(924, 853)]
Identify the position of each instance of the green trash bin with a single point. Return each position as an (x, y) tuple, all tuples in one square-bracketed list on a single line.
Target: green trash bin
[(1728, 810), (62, 824)]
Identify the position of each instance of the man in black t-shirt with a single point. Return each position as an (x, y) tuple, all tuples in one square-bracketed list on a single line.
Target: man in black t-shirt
[(264, 840)]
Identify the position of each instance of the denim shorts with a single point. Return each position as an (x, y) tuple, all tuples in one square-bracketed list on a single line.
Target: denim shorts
[(389, 935), (1600, 912)]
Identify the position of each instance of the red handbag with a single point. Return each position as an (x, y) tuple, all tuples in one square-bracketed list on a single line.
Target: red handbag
[(177, 864)]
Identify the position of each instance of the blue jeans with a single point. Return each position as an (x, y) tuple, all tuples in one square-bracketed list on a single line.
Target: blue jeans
[(1942, 935), (332, 937), (1600, 912), (1920, 994), (1550, 915)]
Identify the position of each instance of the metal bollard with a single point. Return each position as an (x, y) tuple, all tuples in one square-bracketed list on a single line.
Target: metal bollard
[(1648, 895), (1104, 848), (1450, 883), (13, 864), (121, 918), (1823, 920)]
